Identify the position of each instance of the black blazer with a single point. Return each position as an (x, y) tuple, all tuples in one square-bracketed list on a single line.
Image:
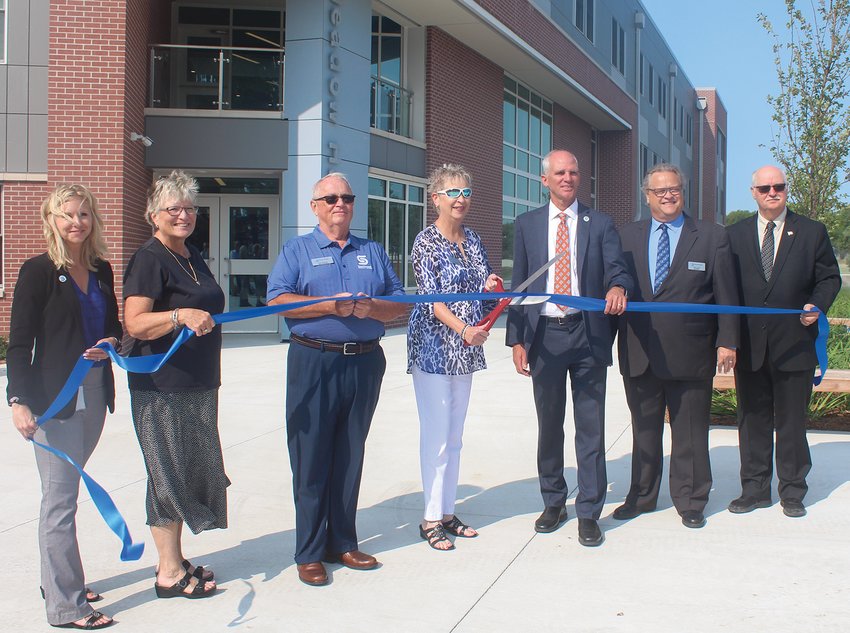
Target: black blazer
[(678, 346), (804, 271), (46, 315), (600, 267)]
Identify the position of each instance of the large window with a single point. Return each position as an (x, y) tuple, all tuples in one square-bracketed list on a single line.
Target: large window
[(662, 97), (584, 17), (390, 106), (618, 46), (396, 215), (527, 138)]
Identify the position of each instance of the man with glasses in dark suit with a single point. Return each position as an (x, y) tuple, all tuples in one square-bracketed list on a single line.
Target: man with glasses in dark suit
[(668, 360), (783, 260)]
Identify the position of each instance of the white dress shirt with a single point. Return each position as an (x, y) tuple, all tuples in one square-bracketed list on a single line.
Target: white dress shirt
[(778, 230), (549, 308)]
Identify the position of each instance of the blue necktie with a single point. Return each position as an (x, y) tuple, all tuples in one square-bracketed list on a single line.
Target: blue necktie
[(662, 260)]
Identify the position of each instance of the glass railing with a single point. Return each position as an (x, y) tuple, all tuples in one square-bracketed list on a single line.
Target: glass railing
[(216, 78), (390, 108)]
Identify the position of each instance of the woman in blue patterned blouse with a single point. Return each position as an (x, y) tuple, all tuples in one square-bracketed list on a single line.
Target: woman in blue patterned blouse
[(444, 347)]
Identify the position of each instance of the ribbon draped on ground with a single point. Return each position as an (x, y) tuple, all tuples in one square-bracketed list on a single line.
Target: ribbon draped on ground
[(150, 364)]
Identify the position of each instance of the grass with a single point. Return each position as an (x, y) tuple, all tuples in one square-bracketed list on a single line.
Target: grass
[(841, 306), (724, 403)]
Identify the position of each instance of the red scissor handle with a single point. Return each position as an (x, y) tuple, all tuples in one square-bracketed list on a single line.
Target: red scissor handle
[(490, 320)]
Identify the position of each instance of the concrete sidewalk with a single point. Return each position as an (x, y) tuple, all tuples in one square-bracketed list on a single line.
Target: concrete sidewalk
[(754, 572)]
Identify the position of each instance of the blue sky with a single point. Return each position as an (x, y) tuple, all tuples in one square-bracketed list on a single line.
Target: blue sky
[(721, 44)]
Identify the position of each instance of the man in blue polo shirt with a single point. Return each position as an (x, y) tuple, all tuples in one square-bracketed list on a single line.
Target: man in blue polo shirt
[(334, 371)]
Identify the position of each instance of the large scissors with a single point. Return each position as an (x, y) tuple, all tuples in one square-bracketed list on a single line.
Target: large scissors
[(488, 321)]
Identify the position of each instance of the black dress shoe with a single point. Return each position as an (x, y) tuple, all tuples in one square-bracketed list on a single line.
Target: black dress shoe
[(693, 519), (744, 504), (589, 533), (793, 508), (551, 519), (627, 511)]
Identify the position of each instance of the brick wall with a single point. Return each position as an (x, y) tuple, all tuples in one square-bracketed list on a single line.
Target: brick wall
[(616, 193), (463, 124), (715, 117), (573, 134)]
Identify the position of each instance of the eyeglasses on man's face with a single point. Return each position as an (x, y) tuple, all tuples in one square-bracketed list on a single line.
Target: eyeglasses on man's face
[(456, 193), (175, 211), (332, 199), (665, 191), (779, 187)]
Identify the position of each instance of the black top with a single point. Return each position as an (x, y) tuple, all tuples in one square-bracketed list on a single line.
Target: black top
[(154, 272), (46, 315)]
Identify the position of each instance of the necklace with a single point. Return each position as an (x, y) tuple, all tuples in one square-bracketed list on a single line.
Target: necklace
[(192, 274)]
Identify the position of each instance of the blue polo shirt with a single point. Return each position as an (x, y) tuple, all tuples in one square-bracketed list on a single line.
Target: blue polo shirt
[(315, 266)]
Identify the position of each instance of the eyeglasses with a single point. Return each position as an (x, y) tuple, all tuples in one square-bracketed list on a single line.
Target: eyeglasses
[(347, 198), (778, 188), (456, 193), (663, 191), (175, 211)]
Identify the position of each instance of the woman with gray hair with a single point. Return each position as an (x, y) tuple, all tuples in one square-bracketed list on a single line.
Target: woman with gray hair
[(444, 347), (167, 285), (63, 306)]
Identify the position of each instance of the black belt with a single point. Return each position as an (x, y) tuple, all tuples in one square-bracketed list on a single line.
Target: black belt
[(347, 349), (564, 320)]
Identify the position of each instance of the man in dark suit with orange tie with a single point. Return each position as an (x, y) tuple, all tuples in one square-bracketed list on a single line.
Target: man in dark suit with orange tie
[(783, 260), (668, 360), (552, 341)]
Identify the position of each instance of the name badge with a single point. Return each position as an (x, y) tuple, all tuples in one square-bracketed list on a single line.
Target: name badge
[(696, 266), (322, 261)]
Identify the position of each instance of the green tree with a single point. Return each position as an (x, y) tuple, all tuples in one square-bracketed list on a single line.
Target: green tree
[(812, 110), (737, 216)]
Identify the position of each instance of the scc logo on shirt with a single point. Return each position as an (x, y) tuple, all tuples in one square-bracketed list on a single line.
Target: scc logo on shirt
[(363, 263)]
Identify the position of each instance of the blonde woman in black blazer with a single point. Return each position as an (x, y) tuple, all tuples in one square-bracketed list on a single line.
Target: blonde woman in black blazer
[(64, 305)]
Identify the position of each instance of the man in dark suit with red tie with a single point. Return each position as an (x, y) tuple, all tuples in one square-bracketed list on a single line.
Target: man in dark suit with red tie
[(550, 341), (783, 260), (668, 360)]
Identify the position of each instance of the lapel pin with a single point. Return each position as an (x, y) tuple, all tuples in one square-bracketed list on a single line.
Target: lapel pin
[(587, 218), (790, 233), (63, 278)]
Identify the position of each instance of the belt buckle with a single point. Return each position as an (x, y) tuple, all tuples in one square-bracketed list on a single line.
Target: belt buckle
[(345, 351)]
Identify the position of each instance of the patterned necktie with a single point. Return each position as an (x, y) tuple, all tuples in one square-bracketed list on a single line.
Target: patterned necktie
[(767, 250), (563, 272), (662, 259)]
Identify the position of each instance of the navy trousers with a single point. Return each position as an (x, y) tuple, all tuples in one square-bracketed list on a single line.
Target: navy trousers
[(559, 351), (330, 400)]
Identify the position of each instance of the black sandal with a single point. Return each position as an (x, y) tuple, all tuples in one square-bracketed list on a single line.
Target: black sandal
[(201, 573), (458, 528), (178, 589), (91, 595), (434, 535), (89, 624)]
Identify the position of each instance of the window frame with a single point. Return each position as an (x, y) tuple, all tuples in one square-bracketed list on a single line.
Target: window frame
[(4, 17), (407, 278), (586, 23)]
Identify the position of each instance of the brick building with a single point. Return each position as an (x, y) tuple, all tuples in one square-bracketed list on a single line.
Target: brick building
[(258, 100)]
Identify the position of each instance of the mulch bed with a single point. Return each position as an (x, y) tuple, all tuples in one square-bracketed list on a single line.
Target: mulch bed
[(826, 423)]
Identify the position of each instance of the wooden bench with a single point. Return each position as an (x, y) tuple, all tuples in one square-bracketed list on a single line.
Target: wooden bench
[(836, 381)]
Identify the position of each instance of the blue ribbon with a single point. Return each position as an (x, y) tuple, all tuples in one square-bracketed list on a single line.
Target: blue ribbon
[(150, 364)]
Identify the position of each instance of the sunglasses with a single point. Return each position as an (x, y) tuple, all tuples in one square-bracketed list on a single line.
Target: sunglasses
[(456, 193), (778, 187), (663, 191), (175, 211), (332, 199)]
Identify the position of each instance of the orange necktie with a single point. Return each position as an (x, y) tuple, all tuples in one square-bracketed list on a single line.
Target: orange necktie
[(563, 273)]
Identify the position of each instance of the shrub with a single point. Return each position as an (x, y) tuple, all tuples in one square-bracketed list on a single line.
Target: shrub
[(4, 345), (841, 306)]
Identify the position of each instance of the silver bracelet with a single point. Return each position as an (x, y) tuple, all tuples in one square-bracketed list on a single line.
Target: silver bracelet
[(463, 331), (175, 324)]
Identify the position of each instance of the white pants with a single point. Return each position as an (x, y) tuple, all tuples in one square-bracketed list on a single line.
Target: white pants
[(442, 402)]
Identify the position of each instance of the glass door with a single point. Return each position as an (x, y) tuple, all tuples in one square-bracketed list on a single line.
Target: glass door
[(239, 237)]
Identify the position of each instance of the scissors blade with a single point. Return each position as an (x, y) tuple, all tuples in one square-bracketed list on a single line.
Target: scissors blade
[(525, 284)]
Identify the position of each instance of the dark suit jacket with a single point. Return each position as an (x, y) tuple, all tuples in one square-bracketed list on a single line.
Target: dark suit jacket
[(679, 346), (600, 267), (46, 315), (804, 271)]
